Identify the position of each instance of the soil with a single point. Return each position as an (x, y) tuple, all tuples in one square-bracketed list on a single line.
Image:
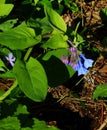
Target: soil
[(70, 106)]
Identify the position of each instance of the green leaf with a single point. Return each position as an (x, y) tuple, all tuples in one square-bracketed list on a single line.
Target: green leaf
[(57, 53), (74, 7), (55, 19), (8, 24), (2, 1), (5, 9), (46, 3), (36, 1), (101, 91), (103, 14), (41, 125), (8, 74), (46, 27), (10, 123), (26, 128), (56, 41), (57, 71), (32, 79), (21, 109), (2, 66), (19, 38)]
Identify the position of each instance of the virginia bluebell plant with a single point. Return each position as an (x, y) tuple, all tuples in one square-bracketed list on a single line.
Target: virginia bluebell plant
[(77, 61)]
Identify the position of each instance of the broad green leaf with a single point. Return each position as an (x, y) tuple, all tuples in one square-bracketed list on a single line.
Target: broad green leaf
[(32, 79), (56, 41), (5, 9), (10, 123), (2, 1), (57, 71), (19, 38), (55, 19), (8, 24), (101, 91)]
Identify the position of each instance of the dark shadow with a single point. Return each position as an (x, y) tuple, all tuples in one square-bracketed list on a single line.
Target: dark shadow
[(56, 71), (65, 119)]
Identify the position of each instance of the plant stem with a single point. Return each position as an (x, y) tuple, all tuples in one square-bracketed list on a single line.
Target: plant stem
[(15, 82), (27, 53), (9, 91)]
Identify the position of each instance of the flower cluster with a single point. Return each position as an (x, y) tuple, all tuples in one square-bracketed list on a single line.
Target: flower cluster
[(11, 59), (78, 61)]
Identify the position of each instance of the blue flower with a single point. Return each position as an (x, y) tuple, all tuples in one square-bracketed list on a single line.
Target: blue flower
[(80, 68), (78, 62), (87, 62), (11, 59)]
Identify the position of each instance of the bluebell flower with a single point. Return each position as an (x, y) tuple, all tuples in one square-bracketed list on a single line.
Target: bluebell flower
[(87, 62), (80, 68), (11, 59), (77, 61)]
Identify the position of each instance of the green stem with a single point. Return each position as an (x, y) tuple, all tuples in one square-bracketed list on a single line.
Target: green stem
[(9, 91), (27, 53), (15, 82)]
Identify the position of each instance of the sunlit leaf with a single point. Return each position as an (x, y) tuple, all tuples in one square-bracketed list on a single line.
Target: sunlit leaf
[(5, 9), (32, 79), (10, 123), (55, 19), (56, 41), (8, 24), (2, 1), (19, 38)]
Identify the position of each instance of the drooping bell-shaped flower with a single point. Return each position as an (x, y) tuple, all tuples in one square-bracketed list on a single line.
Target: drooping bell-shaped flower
[(80, 68), (77, 61), (87, 62)]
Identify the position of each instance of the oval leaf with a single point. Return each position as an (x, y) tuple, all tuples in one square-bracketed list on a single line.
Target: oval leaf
[(55, 19), (32, 79), (19, 38), (5, 9), (55, 42)]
